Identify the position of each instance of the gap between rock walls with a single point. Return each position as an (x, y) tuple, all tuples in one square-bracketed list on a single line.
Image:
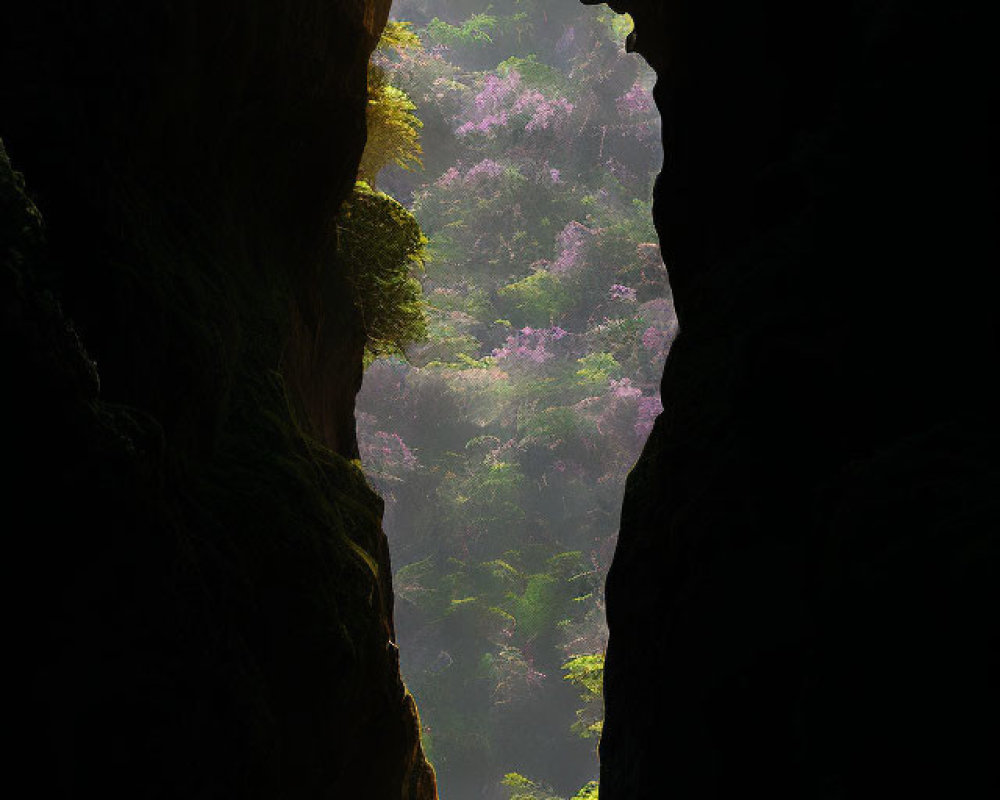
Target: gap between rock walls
[(500, 427)]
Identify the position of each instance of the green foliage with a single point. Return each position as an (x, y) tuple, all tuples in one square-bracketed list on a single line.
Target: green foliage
[(588, 792), (537, 609), (556, 425), (415, 582), (540, 296), (393, 130), (382, 246), (534, 72), (517, 781), (449, 339), (619, 25), (476, 28), (526, 789), (586, 672), (618, 337), (399, 36), (598, 368), (393, 127), (380, 242), (486, 498), (466, 300)]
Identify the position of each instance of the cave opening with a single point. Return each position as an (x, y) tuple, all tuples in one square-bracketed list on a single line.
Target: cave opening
[(511, 385)]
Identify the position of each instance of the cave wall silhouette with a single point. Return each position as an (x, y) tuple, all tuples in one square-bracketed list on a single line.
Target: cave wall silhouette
[(199, 598), (802, 601), (197, 584)]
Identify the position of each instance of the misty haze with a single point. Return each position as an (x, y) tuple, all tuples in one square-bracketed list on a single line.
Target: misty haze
[(524, 141)]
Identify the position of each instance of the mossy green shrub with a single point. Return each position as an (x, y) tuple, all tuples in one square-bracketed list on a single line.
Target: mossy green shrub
[(382, 249)]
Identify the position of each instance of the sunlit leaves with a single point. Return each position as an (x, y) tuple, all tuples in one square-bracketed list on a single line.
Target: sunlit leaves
[(393, 130), (382, 246), (598, 368), (586, 672), (588, 792), (399, 36), (393, 126)]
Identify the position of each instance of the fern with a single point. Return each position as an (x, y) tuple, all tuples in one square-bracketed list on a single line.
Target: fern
[(587, 674), (382, 246), (393, 126)]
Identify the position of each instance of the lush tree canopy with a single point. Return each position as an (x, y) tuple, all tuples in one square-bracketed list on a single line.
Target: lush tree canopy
[(501, 442)]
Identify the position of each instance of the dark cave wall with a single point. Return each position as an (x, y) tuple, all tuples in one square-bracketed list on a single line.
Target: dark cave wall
[(802, 602), (199, 597)]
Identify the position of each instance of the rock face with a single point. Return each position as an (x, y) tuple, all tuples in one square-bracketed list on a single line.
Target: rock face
[(802, 603), (200, 600)]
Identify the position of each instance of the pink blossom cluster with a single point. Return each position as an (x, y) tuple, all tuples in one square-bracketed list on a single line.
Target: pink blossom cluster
[(656, 339), (450, 176), (502, 98), (453, 175), (529, 345), (487, 167), (385, 450), (484, 125), (492, 103), (649, 409), (572, 242), (623, 389), (545, 113), (621, 292), (627, 411), (497, 90), (636, 101)]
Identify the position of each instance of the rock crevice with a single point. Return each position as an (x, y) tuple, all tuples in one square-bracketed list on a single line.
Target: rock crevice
[(200, 589), (808, 543)]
